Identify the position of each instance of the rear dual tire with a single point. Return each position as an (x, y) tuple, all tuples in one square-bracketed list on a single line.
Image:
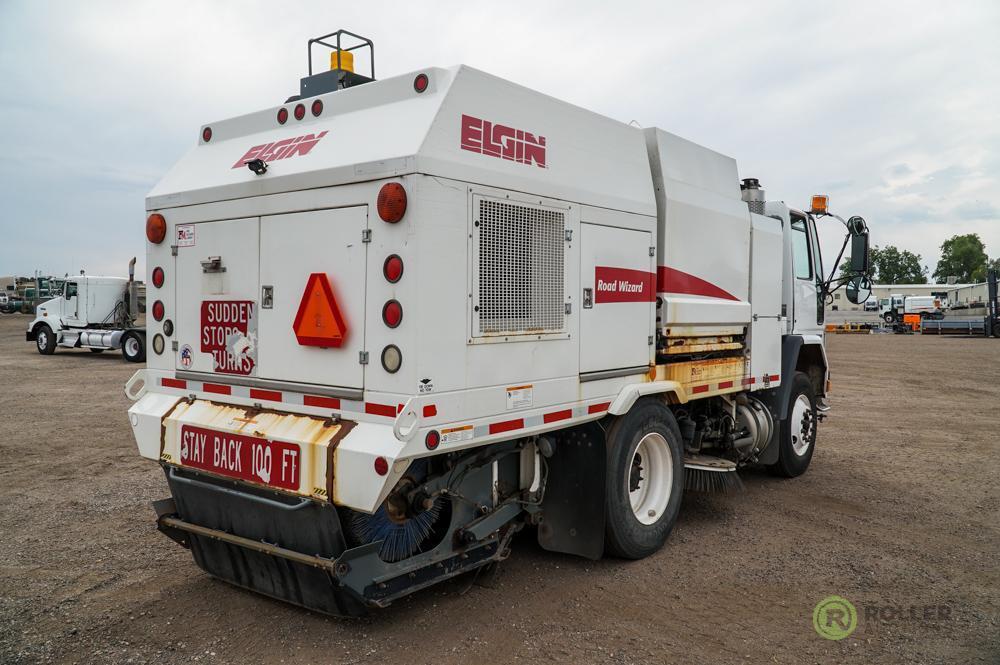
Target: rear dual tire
[(644, 480)]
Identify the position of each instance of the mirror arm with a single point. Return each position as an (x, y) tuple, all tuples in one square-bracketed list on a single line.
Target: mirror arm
[(836, 266)]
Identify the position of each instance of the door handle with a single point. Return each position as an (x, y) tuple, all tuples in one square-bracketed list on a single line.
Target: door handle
[(588, 298), (266, 297)]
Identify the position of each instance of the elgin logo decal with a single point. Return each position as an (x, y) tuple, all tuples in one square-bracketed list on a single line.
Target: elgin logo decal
[(229, 333), (270, 152), (487, 138), (623, 285)]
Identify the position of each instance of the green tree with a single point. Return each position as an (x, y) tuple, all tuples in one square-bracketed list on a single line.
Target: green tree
[(979, 275), (963, 257), (890, 265)]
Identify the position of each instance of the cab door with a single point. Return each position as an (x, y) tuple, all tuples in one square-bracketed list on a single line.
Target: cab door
[(70, 306), (806, 306)]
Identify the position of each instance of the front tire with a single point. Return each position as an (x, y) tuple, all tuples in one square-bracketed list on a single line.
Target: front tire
[(644, 480), (889, 317), (797, 438), (45, 340), (134, 348)]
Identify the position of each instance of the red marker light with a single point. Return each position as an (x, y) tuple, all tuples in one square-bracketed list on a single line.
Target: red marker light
[(392, 313), (432, 440), (317, 107), (158, 277), (381, 466), (393, 268), (282, 116), (158, 310), (391, 203), (206, 134), (300, 111), (420, 82)]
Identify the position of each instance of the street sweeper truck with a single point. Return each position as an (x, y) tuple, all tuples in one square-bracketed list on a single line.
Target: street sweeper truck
[(401, 320)]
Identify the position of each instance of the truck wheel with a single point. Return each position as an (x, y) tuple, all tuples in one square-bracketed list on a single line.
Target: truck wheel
[(889, 317), (797, 438), (644, 480), (45, 339), (134, 348)]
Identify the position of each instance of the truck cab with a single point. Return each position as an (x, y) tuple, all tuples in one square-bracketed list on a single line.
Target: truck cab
[(93, 312)]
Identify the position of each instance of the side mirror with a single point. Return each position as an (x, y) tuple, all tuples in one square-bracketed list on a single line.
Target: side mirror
[(859, 289), (859, 246)]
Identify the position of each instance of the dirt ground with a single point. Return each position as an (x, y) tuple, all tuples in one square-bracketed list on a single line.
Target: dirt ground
[(899, 513)]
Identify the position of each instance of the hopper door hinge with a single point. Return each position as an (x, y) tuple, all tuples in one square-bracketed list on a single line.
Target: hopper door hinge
[(366, 235), (363, 357), (652, 251), (173, 250), (569, 235)]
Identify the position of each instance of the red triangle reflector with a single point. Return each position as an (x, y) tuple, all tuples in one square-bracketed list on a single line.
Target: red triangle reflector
[(318, 321)]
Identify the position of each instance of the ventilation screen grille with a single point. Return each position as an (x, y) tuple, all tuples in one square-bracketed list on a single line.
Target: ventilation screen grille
[(521, 273)]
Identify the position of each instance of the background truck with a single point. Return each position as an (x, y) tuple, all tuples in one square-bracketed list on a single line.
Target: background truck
[(410, 317), (893, 308), (96, 313)]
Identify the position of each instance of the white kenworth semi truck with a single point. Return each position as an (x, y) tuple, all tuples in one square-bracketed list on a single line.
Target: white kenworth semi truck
[(409, 317)]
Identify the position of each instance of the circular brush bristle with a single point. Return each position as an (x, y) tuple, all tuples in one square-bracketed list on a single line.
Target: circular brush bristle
[(398, 540)]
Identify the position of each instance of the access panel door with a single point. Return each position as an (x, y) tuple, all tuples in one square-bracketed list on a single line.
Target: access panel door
[(618, 300), (216, 318), (313, 263)]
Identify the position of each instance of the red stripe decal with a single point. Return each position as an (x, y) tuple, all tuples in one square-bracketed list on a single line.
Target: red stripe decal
[(325, 402), (399, 408), (725, 384), (700, 389), (271, 395), (671, 280), (216, 388), (749, 381), (557, 416), (430, 411), (598, 408), (380, 410), (775, 377), (173, 383), (506, 426)]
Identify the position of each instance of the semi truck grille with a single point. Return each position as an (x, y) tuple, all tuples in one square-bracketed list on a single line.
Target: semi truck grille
[(520, 277)]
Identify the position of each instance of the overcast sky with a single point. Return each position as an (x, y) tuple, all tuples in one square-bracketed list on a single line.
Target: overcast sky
[(890, 108)]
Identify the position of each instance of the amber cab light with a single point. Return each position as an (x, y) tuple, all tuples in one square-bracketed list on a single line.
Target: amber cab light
[(158, 310), (392, 313), (391, 202), (156, 228), (158, 277), (393, 268)]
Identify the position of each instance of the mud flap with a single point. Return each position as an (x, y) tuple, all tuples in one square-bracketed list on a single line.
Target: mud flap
[(573, 508)]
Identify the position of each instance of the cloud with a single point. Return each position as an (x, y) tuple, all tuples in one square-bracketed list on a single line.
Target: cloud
[(894, 118)]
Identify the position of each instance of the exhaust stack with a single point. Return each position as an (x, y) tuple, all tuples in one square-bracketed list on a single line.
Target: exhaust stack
[(751, 192)]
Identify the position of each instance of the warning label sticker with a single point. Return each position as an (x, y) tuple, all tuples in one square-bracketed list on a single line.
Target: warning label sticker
[(185, 235), (454, 434), (519, 397)]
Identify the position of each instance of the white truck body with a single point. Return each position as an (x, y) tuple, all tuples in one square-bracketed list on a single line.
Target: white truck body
[(559, 266), (894, 307)]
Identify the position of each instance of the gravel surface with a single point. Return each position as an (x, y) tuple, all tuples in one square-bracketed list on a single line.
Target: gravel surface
[(898, 513)]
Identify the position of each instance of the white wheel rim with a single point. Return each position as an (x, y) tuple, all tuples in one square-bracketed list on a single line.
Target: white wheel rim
[(43, 340), (649, 478), (801, 424), (132, 346)]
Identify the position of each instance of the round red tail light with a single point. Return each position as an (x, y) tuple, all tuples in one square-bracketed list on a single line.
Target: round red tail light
[(157, 277), (420, 82), (381, 466), (300, 111), (392, 313), (432, 440), (393, 268), (391, 202), (282, 116), (156, 228), (206, 134), (317, 107), (158, 310)]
